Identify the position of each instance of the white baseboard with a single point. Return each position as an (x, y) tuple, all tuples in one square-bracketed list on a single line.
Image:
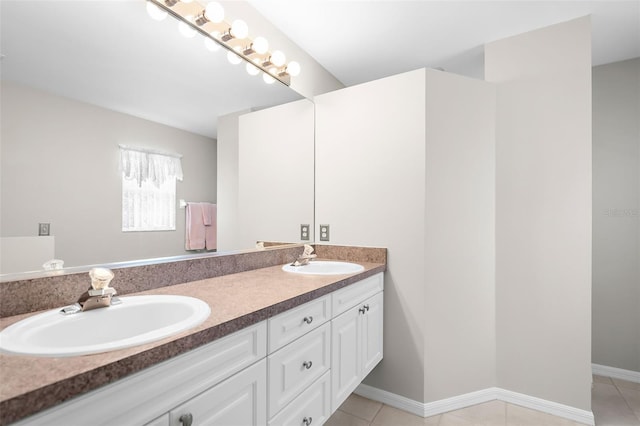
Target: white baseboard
[(549, 407), (473, 398), (392, 399), (616, 373)]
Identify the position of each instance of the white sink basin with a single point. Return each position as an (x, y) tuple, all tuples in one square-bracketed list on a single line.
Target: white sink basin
[(138, 320), (325, 267)]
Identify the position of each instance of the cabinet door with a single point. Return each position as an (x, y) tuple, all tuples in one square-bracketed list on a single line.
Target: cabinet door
[(238, 401), (160, 421), (345, 356), (293, 368), (372, 333), (311, 407)]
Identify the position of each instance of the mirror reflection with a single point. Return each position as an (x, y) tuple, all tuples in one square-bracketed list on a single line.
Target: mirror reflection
[(79, 79)]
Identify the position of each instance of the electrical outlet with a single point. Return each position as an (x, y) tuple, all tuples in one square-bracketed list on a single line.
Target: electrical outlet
[(304, 232), (324, 232), (43, 229)]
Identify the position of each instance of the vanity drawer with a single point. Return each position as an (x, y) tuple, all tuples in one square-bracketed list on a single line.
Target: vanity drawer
[(290, 325), (350, 296), (293, 368), (314, 405)]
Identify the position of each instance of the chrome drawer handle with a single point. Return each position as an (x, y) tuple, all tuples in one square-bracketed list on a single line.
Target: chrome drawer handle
[(307, 364), (308, 319), (307, 421), (186, 419)]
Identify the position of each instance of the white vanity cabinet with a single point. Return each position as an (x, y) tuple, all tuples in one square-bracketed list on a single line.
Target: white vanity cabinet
[(357, 336), (299, 361), (238, 401), (295, 368), (146, 397)]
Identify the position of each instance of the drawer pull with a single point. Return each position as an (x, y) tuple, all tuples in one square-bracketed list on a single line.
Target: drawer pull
[(307, 364), (186, 419), (307, 421), (308, 319), (362, 310), (366, 307)]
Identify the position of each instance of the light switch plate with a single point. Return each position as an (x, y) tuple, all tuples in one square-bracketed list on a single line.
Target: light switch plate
[(324, 232), (304, 231)]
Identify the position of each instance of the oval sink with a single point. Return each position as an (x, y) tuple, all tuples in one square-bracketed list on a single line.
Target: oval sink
[(325, 267), (137, 320)]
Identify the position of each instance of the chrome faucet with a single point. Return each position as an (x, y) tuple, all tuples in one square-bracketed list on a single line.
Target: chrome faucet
[(99, 295), (305, 257)]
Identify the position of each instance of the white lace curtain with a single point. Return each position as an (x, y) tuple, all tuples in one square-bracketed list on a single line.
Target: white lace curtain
[(149, 189), (145, 165)]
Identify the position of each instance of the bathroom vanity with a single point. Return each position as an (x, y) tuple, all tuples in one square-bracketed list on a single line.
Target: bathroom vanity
[(278, 348)]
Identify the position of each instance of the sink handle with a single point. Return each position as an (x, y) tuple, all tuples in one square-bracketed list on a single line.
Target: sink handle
[(186, 419)]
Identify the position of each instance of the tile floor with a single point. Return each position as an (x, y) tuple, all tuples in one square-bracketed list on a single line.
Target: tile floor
[(614, 402)]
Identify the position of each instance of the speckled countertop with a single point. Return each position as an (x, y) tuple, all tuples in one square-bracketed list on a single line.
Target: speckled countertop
[(31, 384)]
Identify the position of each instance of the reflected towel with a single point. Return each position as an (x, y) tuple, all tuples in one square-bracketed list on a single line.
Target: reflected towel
[(195, 230), (209, 214)]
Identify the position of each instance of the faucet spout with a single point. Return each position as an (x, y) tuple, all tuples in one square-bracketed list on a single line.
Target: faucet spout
[(305, 257), (94, 299), (99, 295)]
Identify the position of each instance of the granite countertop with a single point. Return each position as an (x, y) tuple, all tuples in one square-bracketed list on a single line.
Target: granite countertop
[(30, 384)]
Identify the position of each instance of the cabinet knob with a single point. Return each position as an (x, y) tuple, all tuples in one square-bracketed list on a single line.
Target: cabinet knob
[(308, 319), (186, 419), (307, 364), (307, 421), (366, 307), (362, 310)]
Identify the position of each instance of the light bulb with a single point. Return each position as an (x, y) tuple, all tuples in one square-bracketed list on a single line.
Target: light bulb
[(185, 29), (260, 45), (155, 12), (239, 29), (214, 12), (267, 78), (293, 68), (278, 59), (252, 70), (233, 58), (211, 45), (273, 70)]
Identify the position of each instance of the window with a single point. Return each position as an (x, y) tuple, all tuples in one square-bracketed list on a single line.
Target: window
[(149, 189)]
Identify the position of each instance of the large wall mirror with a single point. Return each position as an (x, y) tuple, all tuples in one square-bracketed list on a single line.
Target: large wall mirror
[(81, 78)]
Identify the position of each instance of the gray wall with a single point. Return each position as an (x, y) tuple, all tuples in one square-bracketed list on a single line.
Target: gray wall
[(60, 161), (543, 212), (616, 204), (407, 163), (276, 174)]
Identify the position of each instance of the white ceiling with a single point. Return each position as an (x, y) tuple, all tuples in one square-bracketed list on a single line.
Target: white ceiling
[(110, 53), (359, 41)]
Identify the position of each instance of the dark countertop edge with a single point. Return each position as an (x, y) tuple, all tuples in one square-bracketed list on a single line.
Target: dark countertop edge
[(22, 406)]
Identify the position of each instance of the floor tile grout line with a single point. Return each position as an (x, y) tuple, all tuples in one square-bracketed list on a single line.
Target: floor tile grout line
[(625, 400), (376, 415)]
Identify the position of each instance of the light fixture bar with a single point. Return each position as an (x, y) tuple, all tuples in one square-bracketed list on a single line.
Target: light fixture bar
[(180, 11)]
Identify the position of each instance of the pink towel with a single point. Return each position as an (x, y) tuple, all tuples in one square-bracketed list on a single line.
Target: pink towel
[(209, 215), (195, 230), (201, 226)]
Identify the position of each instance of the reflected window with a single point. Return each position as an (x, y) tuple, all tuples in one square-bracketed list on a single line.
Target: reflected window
[(147, 207), (149, 189)]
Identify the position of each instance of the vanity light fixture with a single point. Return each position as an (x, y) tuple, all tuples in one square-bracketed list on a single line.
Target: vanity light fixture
[(209, 21)]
